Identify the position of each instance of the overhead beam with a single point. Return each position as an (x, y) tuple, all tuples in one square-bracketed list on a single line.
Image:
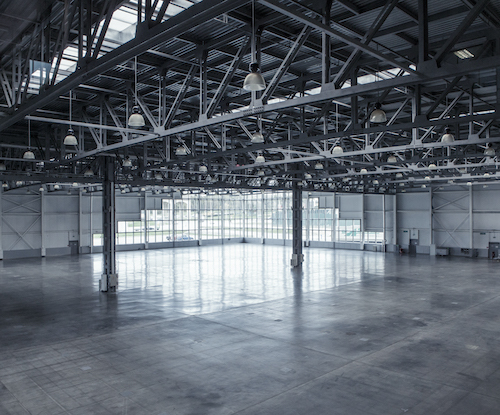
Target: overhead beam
[(288, 11), (460, 30), (195, 15)]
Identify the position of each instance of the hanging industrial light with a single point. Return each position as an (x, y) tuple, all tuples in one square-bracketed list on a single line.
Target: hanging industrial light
[(2, 167), (203, 169), (490, 151), (158, 176), (392, 159), (254, 81), (260, 159), (136, 119), (181, 151), (127, 162), (337, 151), (308, 176), (432, 166), (363, 171), (378, 114), (399, 175), (261, 173), (70, 139), (88, 173), (319, 166), (257, 138), (447, 137), (28, 154)]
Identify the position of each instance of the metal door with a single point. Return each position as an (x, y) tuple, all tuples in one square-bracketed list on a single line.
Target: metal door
[(413, 246), (493, 249)]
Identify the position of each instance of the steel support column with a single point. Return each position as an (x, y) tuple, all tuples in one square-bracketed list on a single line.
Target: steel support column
[(297, 256), (1, 222), (109, 279)]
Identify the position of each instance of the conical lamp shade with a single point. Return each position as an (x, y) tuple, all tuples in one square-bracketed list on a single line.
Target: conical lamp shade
[(378, 115), (70, 139), (254, 81), (447, 138), (257, 138), (180, 151), (337, 150), (260, 159), (136, 119), (29, 155)]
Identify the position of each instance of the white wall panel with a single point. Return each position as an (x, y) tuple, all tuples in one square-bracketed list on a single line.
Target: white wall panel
[(350, 206)]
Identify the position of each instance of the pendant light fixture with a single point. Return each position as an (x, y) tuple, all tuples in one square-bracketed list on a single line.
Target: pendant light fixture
[(257, 138), (2, 167), (378, 114), (127, 162), (337, 151), (180, 151), (392, 159), (319, 166), (136, 119), (28, 154), (88, 173), (260, 159), (490, 151), (447, 137), (254, 81), (70, 139)]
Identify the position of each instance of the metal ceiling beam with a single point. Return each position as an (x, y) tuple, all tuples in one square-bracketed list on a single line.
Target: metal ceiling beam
[(195, 15), (286, 62), (287, 11), (460, 30), (327, 95), (346, 69)]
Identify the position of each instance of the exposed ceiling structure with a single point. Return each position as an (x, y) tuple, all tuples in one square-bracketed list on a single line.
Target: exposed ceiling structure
[(432, 66)]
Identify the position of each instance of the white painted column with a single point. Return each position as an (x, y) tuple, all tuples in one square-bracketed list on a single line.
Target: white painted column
[(308, 220), (395, 221), (222, 218), (91, 223), (362, 246), (471, 222), (383, 223), (146, 244), (334, 219), (262, 219), (80, 220), (43, 227), (199, 219)]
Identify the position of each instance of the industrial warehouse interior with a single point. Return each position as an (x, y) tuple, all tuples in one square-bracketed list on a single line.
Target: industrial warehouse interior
[(249, 207)]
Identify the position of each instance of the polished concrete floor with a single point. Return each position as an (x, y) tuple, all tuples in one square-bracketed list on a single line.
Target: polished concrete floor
[(234, 330)]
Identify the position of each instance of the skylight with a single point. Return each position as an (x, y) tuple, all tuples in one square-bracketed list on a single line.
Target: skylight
[(464, 54)]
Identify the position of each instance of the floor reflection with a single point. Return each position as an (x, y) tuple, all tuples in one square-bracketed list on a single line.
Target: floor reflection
[(212, 278)]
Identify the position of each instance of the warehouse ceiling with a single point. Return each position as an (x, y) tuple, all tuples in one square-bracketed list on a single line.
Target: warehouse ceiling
[(431, 65)]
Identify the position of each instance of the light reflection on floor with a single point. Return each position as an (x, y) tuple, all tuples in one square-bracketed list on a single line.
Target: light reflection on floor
[(212, 278)]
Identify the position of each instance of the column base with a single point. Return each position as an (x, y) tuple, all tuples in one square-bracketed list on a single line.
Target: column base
[(108, 282), (297, 260)]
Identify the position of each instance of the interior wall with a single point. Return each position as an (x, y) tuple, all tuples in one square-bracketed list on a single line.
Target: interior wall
[(36, 223)]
